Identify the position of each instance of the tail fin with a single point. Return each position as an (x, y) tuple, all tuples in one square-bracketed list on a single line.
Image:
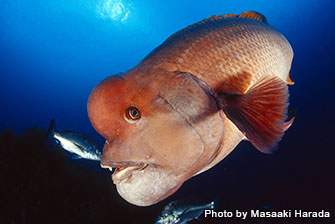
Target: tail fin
[(52, 129)]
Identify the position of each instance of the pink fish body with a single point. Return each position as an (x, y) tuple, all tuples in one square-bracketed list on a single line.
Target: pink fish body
[(189, 103)]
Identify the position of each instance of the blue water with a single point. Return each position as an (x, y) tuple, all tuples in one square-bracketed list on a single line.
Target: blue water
[(53, 53)]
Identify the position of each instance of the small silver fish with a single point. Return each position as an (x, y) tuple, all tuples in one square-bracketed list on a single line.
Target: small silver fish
[(83, 146), (175, 213)]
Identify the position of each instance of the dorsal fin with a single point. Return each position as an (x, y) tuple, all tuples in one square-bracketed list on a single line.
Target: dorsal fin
[(248, 15), (230, 15), (253, 15)]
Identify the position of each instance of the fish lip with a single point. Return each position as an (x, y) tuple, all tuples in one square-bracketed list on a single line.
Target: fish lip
[(127, 172), (124, 170), (109, 165)]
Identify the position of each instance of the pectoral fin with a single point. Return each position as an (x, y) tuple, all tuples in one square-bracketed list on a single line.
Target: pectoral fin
[(260, 112), (82, 149)]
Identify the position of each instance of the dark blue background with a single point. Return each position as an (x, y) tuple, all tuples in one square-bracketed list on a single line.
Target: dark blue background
[(54, 52)]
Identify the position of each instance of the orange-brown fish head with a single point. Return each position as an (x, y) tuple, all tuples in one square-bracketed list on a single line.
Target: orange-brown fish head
[(147, 139)]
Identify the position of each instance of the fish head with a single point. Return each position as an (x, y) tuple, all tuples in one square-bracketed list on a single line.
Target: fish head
[(150, 143)]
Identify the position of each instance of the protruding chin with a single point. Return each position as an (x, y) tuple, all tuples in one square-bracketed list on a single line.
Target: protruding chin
[(148, 187)]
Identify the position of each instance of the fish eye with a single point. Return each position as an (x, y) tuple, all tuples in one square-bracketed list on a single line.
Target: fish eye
[(132, 114)]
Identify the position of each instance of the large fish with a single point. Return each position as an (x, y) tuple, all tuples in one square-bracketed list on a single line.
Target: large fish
[(190, 102)]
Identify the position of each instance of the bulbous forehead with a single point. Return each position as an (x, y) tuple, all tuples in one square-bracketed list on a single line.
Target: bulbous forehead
[(109, 100), (105, 103)]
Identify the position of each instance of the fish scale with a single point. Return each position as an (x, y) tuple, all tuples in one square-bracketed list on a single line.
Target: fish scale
[(222, 47)]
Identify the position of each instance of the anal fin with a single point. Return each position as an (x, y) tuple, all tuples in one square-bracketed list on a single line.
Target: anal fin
[(260, 113)]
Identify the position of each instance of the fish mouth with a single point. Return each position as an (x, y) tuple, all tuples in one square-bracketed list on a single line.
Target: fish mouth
[(124, 170)]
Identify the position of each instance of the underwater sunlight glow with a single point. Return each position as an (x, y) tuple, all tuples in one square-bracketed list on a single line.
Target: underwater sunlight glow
[(115, 10)]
